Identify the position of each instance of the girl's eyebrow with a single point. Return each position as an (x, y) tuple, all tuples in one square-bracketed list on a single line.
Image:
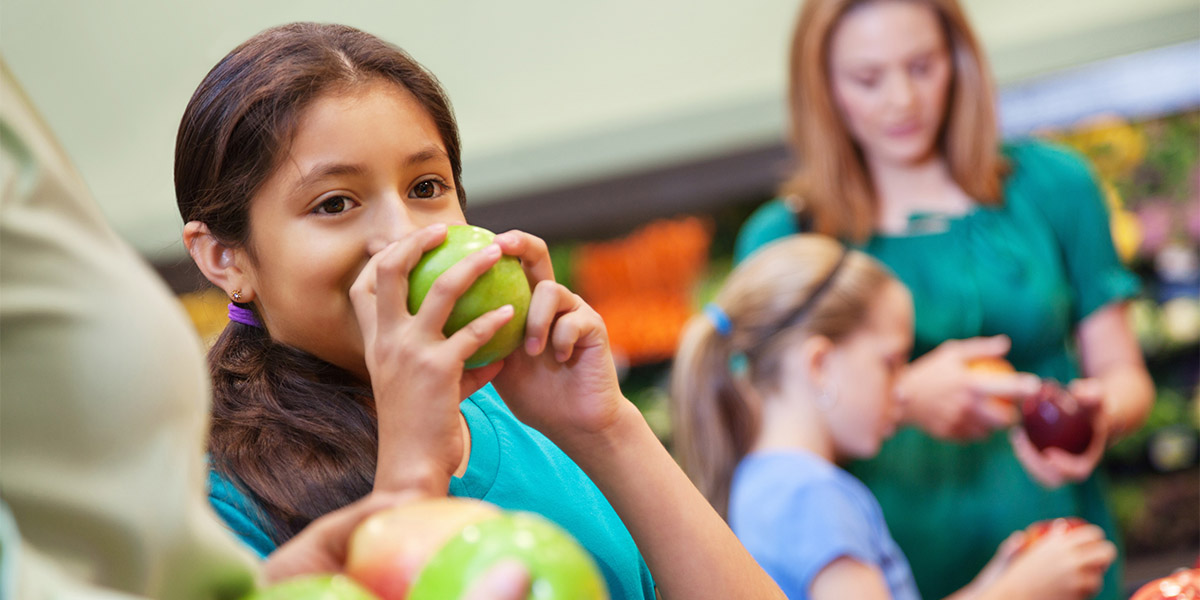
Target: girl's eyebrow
[(334, 169), (425, 154), (328, 169)]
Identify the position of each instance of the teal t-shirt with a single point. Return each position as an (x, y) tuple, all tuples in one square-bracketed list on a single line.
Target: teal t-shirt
[(515, 467), (1031, 268)]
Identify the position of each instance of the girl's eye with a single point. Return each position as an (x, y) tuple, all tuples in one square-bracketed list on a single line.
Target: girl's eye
[(866, 82), (334, 205), (919, 68), (430, 188)]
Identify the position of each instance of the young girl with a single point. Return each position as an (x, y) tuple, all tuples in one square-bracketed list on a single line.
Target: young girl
[(314, 166), (789, 372), (1007, 252)]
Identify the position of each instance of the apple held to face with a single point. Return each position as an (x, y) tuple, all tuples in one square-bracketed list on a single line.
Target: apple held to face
[(1034, 532), (314, 587), (1054, 418), (433, 549), (504, 283)]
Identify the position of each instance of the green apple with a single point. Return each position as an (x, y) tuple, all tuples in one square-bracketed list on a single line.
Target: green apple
[(559, 568), (314, 587), (504, 283)]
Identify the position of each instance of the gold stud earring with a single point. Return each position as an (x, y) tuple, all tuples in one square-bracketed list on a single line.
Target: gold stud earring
[(237, 295)]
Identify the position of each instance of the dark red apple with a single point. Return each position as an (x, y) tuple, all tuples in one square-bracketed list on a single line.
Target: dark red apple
[(1035, 531), (1054, 418)]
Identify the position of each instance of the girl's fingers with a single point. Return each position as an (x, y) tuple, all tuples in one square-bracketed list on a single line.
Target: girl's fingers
[(394, 265), (397, 259), (474, 335), (533, 252), (548, 301), (450, 285)]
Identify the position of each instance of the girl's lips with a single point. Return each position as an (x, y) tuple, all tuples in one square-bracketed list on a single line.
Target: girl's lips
[(902, 130)]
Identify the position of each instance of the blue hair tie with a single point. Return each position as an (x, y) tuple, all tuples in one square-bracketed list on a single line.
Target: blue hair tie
[(719, 319)]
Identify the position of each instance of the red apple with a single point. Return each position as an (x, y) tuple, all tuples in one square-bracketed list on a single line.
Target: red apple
[(434, 549), (504, 283), (1183, 585), (1034, 532), (389, 548), (1054, 418)]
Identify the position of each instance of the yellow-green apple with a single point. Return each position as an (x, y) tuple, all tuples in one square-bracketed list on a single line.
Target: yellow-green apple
[(314, 587), (504, 283)]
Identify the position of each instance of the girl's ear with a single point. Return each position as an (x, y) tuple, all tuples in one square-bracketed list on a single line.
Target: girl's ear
[(814, 360), (218, 262)]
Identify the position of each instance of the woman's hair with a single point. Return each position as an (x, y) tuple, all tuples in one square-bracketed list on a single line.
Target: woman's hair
[(830, 183), (783, 293), (296, 432)]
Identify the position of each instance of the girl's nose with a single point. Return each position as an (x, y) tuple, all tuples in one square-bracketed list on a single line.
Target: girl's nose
[(390, 221), (902, 92)]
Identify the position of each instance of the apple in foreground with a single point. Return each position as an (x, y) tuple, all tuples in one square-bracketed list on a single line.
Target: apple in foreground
[(1034, 532), (1054, 418), (434, 549), (314, 587), (1182, 585), (504, 283)]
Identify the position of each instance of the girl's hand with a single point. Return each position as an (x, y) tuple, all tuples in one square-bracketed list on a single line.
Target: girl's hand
[(564, 380), (948, 400), (1053, 467), (321, 547), (416, 372), (1061, 564)]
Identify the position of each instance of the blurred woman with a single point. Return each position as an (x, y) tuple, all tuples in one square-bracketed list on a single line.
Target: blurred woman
[(1007, 253)]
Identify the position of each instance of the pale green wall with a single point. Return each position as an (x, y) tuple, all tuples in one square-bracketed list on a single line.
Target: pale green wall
[(546, 91)]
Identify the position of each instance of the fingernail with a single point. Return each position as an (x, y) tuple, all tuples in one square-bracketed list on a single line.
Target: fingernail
[(505, 311), (531, 346), (492, 251)]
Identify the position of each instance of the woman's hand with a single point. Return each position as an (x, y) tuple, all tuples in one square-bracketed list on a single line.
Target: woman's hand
[(416, 372), (1063, 564), (1053, 467), (948, 400), (564, 380)]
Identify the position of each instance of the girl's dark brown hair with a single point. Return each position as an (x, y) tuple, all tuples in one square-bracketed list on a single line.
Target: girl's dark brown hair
[(295, 432)]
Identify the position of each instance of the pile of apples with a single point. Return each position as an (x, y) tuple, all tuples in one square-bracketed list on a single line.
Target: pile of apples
[(435, 549)]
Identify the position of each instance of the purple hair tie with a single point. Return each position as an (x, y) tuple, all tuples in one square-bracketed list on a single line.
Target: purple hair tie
[(244, 316)]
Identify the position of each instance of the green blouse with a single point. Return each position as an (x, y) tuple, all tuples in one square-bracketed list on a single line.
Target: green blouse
[(1032, 269)]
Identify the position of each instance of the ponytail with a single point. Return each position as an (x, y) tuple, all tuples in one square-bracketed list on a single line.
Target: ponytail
[(293, 432), (715, 424)]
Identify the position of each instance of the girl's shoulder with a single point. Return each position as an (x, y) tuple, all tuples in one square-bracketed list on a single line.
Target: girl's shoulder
[(240, 513)]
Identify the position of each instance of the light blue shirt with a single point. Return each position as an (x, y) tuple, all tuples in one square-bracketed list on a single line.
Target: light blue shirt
[(796, 513)]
